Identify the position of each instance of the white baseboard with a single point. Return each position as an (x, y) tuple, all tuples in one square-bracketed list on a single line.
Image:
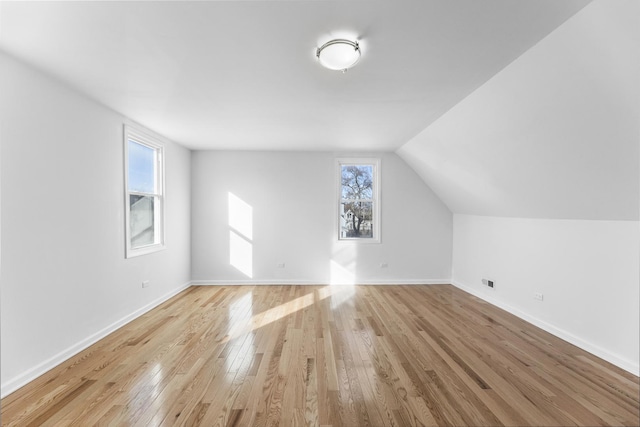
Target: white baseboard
[(15, 383), (625, 364), (218, 282), (22, 379)]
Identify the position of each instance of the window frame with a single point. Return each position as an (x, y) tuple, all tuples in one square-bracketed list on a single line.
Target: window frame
[(376, 198), (142, 138)]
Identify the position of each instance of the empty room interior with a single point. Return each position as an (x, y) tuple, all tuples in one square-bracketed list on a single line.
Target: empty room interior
[(323, 213)]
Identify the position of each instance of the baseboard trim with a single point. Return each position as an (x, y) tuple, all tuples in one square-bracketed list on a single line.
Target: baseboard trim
[(218, 282), (625, 364), (24, 378)]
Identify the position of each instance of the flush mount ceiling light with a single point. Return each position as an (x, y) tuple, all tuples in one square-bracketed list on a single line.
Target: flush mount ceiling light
[(339, 54)]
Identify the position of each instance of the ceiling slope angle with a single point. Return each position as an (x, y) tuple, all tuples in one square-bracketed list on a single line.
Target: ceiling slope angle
[(244, 75), (553, 135)]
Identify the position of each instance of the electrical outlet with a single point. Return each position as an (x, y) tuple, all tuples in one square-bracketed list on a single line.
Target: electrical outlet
[(384, 265), (280, 265), (487, 282), (538, 296), (145, 284)]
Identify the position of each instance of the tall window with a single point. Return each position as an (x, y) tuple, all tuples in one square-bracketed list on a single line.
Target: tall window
[(359, 204), (144, 181)]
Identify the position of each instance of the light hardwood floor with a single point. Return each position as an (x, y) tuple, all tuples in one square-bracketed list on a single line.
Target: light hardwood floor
[(322, 355)]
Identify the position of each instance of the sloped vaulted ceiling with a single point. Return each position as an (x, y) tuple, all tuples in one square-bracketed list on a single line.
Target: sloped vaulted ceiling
[(553, 135), (243, 75)]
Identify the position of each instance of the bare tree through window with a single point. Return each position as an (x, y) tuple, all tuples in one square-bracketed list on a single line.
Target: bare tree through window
[(357, 201)]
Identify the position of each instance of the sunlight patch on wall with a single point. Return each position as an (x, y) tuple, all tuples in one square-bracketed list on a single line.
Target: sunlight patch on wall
[(240, 216), (240, 254), (342, 266), (341, 275), (240, 235)]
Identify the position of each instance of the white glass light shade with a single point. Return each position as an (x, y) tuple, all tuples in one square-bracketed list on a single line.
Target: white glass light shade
[(339, 54)]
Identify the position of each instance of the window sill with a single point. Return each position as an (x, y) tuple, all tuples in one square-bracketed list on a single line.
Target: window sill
[(145, 250), (352, 241)]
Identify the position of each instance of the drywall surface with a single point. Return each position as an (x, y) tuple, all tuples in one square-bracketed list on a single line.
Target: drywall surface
[(554, 134), (271, 217), (65, 280), (587, 272)]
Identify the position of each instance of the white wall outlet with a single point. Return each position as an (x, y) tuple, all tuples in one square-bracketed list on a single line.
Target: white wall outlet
[(280, 265), (145, 284), (538, 296), (484, 282), (384, 265)]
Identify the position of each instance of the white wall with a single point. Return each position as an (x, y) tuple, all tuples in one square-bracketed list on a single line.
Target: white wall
[(292, 197), (587, 271), (554, 134), (64, 280), (555, 137)]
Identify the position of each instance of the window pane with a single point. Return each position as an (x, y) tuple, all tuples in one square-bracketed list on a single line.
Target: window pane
[(142, 220), (357, 182), (141, 168), (356, 219)]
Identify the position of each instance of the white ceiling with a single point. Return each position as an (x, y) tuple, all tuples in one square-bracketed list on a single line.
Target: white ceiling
[(242, 74)]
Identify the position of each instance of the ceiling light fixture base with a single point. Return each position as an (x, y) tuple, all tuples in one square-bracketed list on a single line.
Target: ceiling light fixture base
[(339, 54)]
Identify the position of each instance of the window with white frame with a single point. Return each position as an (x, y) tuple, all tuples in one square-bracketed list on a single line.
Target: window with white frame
[(144, 193), (359, 199)]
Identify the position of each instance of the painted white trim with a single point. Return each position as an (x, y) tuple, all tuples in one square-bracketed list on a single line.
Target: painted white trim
[(600, 352), (218, 282), (15, 383), (139, 136), (24, 378)]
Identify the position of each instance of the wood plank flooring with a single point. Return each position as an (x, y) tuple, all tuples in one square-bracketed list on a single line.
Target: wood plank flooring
[(328, 356)]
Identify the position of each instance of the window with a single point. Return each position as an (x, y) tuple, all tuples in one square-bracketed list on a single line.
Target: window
[(144, 195), (359, 200)]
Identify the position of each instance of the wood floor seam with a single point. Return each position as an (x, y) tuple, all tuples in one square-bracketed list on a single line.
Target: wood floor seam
[(391, 355)]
